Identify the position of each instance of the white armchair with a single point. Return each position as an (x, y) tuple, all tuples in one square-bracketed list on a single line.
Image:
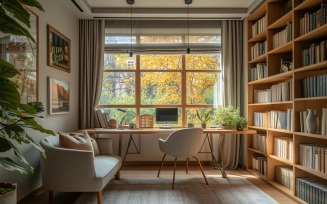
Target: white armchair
[(70, 170), (182, 143)]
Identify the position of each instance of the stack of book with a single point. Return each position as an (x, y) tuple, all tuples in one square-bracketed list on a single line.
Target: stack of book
[(314, 156), (259, 163), (258, 72), (259, 142), (102, 118), (259, 26), (283, 36), (314, 86), (284, 176), (277, 93), (282, 120), (259, 119), (262, 96), (311, 191), (317, 52), (288, 6), (283, 147), (313, 20), (324, 122), (258, 49)]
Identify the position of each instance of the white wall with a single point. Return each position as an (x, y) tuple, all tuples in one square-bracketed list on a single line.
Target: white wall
[(57, 14)]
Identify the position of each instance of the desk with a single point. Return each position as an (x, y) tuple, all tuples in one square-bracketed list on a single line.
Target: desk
[(209, 131)]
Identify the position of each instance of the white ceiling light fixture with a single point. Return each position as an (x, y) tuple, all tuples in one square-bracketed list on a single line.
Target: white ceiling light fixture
[(131, 2), (188, 2)]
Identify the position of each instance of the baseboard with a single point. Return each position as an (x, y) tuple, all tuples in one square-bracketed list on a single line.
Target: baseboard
[(157, 163)]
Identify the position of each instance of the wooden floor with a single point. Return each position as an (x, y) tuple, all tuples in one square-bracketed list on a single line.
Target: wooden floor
[(41, 196)]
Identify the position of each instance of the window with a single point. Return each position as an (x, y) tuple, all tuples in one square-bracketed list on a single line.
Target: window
[(158, 75)]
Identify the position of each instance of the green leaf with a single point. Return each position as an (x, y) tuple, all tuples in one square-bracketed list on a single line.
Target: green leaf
[(28, 109), (38, 106), (8, 164), (8, 25), (7, 70), (18, 11), (34, 125), (9, 96), (4, 145), (32, 3), (35, 144), (18, 153)]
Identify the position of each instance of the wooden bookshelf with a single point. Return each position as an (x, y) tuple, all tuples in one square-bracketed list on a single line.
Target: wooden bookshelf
[(277, 20)]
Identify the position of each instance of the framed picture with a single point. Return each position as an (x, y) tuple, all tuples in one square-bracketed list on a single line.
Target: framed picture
[(58, 50), (59, 92), (23, 54)]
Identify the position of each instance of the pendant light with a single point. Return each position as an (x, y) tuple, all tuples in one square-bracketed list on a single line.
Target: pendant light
[(188, 2), (131, 2)]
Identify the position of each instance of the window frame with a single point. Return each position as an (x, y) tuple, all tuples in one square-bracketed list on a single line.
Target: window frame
[(183, 105)]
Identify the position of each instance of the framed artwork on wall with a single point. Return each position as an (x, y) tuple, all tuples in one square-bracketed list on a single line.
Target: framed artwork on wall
[(59, 96), (58, 50), (23, 54)]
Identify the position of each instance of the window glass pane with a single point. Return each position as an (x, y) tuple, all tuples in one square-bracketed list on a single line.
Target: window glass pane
[(152, 111), (122, 117), (162, 88), (118, 88), (161, 62), (160, 39), (119, 61), (109, 39), (203, 62), (191, 116), (202, 88), (205, 39)]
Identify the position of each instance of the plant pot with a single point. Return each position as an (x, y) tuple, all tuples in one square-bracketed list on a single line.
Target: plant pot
[(11, 196), (203, 125), (190, 125), (239, 127)]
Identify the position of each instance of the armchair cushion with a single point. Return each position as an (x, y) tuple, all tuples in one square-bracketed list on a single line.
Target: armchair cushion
[(93, 141), (79, 141)]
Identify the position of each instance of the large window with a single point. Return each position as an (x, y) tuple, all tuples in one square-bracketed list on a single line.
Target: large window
[(159, 76)]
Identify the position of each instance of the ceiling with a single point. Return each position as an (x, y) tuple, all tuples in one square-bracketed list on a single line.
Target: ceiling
[(167, 9)]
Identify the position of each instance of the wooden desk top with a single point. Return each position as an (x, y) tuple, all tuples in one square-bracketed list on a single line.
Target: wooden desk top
[(163, 131)]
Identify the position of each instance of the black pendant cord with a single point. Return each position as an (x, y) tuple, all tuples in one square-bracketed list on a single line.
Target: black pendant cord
[(188, 51), (131, 51)]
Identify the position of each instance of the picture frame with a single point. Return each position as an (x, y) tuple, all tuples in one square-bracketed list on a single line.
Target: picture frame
[(58, 50), (59, 96)]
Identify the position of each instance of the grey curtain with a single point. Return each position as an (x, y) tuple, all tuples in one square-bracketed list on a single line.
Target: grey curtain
[(233, 77), (91, 45)]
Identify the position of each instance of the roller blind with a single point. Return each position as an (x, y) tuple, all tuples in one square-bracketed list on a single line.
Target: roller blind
[(162, 36)]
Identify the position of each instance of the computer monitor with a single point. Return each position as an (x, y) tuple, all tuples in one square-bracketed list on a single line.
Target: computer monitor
[(166, 116)]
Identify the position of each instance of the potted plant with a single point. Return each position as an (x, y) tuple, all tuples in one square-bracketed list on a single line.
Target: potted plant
[(229, 118), (15, 116), (8, 193), (204, 117), (241, 123)]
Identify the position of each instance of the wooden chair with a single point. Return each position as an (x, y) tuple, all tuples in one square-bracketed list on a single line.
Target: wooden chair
[(146, 121)]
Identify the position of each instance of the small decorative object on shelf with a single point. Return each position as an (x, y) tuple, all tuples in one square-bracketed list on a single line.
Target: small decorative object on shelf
[(312, 121), (112, 123)]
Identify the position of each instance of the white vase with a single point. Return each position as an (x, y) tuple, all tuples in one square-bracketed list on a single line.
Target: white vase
[(324, 122), (312, 121)]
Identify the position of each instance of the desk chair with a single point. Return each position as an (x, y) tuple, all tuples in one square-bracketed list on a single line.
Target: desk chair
[(182, 143), (146, 121)]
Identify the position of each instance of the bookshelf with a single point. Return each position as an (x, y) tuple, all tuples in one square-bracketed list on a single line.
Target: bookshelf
[(295, 36)]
